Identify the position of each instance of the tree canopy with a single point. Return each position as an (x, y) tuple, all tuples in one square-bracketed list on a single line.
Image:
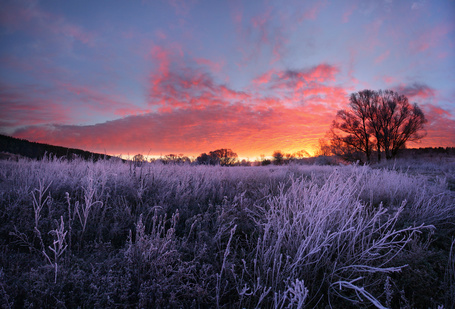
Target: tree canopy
[(381, 121), (219, 156)]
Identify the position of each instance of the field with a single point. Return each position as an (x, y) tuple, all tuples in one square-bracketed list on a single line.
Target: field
[(110, 234)]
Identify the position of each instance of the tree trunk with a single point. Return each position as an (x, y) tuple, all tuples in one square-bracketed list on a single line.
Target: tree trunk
[(379, 152)]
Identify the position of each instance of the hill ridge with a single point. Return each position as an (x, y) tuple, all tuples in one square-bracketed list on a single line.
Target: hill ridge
[(36, 150)]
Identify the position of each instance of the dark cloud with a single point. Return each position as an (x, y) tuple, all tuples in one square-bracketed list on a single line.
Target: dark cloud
[(416, 90)]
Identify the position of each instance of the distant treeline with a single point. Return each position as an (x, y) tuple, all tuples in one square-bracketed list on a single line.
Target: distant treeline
[(429, 151), (34, 150), (21, 147)]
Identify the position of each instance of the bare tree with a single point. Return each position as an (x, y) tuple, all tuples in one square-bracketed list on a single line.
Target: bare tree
[(398, 122), (301, 154), (344, 147), (219, 156), (350, 127), (377, 120), (175, 159), (278, 157), (324, 147), (204, 159), (138, 159), (225, 156), (367, 101)]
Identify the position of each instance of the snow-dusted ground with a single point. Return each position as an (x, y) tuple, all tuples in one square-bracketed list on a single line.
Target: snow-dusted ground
[(110, 234)]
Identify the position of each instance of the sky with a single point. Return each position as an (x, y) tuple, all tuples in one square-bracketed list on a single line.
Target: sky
[(185, 77)]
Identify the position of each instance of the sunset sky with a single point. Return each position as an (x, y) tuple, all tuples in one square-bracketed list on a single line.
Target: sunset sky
[(158, 77)]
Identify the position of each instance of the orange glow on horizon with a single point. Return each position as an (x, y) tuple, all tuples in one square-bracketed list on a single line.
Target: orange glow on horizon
[(241, 156)]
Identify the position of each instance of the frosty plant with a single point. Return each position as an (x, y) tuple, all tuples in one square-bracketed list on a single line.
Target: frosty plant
[(310, 229), (218, 276), (298, 294), (58, 247), (39, 201), (359, 291), (84, 210), (291, 236)]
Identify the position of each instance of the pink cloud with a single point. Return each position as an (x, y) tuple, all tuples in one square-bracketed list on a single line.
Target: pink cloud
[(442, 55), (430, 38), (261, 34), (261, 22), (130, 111), (382, 57), (17, 16), (177, 84), (296, 79), (348, 12), (91, 98), (29, 105), (390, 79), (313, 12), (195, 113), (440, 128), (161, 56), (436, 111), (16, 63), (372, 30), (264, 78), (351, 65), (270, 34), (212, 65), (162, 59), (60, 104), (233, 95), (160, 34), (246, 130), (29, 17), (73, 31), (182, 7), (237, 17), (311, 87)]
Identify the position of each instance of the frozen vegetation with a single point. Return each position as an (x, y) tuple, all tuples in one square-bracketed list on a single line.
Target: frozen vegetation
[(111, 234)]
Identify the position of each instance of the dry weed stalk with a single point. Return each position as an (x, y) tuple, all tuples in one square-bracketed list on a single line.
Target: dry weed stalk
[(58, 247), (223, 267), (38, 202), (83, 211)]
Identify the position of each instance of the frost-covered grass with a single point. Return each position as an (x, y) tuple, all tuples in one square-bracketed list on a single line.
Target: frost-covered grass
[(111, 234)]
